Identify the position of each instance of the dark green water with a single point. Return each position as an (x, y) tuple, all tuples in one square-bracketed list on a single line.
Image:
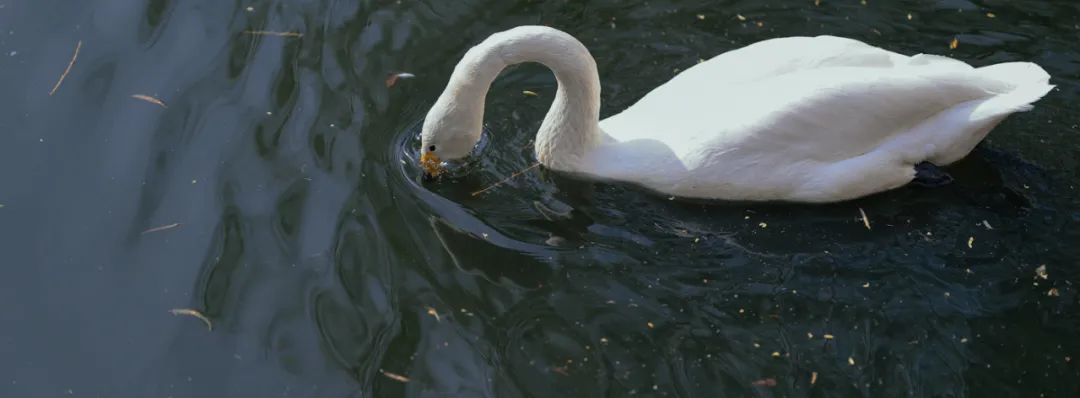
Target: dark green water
[(307, 238)]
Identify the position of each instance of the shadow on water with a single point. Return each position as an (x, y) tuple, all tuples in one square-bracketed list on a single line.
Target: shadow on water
[(277, 193)]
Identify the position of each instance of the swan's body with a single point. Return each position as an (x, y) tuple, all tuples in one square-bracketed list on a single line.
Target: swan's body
[(794, 119)]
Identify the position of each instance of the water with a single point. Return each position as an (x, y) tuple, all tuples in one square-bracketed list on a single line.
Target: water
[(303, 232)]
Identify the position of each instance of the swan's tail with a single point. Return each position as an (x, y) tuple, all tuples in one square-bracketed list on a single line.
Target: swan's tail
[(1016, 73), (1029, 83)]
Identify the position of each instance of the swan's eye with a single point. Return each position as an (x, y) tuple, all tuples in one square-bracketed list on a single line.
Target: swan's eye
[(431, 148)]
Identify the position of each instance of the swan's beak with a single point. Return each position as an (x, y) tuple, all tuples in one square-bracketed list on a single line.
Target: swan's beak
[(431, 165)]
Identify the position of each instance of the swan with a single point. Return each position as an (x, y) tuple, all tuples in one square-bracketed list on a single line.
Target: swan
[(795, 119)]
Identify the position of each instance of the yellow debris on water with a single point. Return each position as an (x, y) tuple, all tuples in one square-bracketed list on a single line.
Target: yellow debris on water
[(431, 311), (954, 43), (1041, 272), (528, 93)]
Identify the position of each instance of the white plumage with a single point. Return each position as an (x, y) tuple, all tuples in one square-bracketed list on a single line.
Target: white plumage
[(792, 119)]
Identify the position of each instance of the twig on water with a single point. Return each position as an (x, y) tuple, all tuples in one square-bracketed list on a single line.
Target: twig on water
[(865, 219), (394, 376), (68, 70), (273, 33), (161, 228), (193, 313), (149, 99), (505, 180)]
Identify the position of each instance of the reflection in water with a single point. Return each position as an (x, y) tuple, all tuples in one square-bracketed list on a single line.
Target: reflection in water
[(307, 237)]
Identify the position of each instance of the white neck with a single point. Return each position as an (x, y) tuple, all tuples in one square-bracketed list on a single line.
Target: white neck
[(571, 126)]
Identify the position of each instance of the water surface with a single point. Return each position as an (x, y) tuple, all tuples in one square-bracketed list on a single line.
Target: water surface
[(282, 202)]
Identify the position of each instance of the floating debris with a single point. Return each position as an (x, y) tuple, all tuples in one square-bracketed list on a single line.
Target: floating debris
[(161, 228), (851, 361), (149, 99), (393, 78), (194, 313), (991, 15), (505, 180), (650, 325), (740, 17), (813, 378), (909, 16), (776, 354), (865, 219), (766, 382), (954, 43), (1053, 292), (528, 93), (394, 376), (701, 17), (273, 33), (1041, 272), (763, 225), (987, 225), (431, 311), (829, 337), (971, 242), (68, 70)]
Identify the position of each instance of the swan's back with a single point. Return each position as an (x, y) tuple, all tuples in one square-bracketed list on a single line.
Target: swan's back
[(801, 103)]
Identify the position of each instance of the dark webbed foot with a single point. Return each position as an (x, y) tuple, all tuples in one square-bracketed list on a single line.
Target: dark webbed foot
[(929, 175)]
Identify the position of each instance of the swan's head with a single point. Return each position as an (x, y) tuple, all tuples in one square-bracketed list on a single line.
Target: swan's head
[(451, 130)]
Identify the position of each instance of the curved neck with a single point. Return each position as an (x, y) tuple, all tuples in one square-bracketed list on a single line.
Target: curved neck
[(571, 126)]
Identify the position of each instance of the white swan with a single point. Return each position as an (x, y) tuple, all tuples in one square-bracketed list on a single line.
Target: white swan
[(803, 119)]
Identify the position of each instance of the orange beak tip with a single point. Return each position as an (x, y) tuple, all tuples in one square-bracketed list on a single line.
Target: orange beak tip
[(431, 164)]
